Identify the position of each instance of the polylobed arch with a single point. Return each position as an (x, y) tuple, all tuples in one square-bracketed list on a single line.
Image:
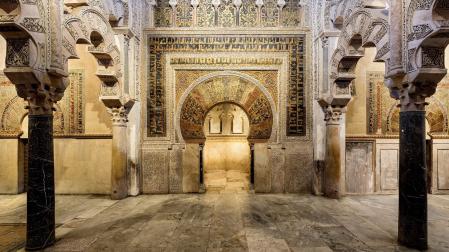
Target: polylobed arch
[(252, 97)]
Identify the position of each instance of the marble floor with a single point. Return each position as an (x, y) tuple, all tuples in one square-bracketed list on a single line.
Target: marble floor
[(224, 222)]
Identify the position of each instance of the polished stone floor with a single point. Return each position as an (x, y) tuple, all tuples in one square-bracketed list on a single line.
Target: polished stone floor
[(224, 222)]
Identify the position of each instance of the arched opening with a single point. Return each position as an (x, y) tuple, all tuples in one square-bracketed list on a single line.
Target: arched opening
[(248, 122), (226, 153)]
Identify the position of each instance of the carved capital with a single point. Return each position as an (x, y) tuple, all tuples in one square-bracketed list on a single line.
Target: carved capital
[(333, 115), (413, 96), (119, 116), (40, 97), (325, 42)]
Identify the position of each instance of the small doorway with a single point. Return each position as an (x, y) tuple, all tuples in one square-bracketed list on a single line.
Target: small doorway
[(227, 152)]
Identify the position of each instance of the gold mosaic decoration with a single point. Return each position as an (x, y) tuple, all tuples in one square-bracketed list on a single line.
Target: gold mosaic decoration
[(294, 45), (378, 103), (383, 112), (73, 102), (268, 78), (226, 89)]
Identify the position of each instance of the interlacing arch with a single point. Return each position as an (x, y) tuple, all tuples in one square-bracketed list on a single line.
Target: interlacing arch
[(363, 28), (89, 25)]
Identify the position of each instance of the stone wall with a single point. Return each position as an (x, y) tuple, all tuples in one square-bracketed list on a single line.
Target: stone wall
[(9, 167), (83, 166)]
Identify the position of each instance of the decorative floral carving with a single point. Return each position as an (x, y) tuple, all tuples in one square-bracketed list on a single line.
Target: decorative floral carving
[(205, 14), (270, 13), (163, 14), (432, 57), (227, 14), (248, 14), (291, 13), (184, 14), (18, 52), (33, 25), (419, 32)]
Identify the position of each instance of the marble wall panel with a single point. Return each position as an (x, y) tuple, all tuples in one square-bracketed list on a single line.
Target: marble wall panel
[(277, 164), (298, 167), (83, 166), (443, 168), (387, 165), (262, 171), (155, 164), (191, 168), (175, 172), (360, 172), (440, 165)]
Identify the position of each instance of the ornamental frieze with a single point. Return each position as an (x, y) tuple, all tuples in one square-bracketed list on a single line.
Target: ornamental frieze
[(228, 13)]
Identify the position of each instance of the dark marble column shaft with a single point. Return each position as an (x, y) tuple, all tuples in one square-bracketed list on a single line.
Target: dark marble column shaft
[(41, 186), (412, 180)]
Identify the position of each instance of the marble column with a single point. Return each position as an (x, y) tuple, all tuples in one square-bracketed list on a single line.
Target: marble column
[(412, 173), (119, 183), (334, 169), (41, 184)]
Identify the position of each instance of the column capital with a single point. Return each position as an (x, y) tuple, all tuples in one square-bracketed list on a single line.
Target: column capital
[(413, 96), (333, 115), (119, 116), (40, 97)]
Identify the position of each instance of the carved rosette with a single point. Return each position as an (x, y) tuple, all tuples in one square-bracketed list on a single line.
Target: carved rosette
[(119, 116), (333, 115)]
